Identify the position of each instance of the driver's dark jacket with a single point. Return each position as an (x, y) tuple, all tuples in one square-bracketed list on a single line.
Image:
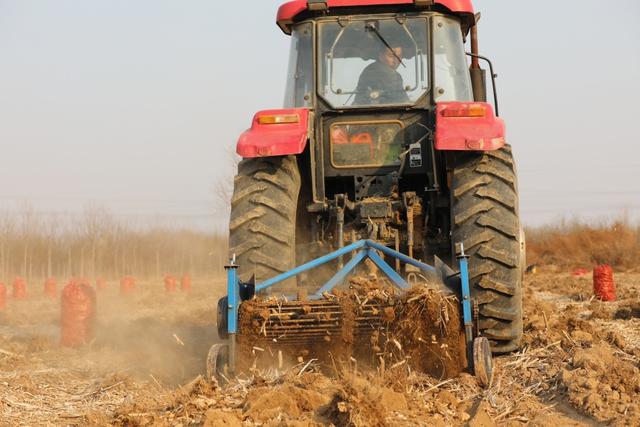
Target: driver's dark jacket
[(379, 77)]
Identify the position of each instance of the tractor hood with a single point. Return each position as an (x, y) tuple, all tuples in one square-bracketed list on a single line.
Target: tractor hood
[(290, 11)]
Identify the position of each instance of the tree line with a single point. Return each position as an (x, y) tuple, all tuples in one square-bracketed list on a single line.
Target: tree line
[(98, 244)]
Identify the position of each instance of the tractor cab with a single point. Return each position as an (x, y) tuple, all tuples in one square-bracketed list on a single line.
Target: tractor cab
[(377, 61)]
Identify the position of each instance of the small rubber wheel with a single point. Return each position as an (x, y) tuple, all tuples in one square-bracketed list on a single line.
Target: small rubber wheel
[(482, 362), (218, 362), (223, 318)]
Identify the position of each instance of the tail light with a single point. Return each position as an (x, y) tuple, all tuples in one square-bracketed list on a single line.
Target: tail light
[(278, 119), (465, 110)]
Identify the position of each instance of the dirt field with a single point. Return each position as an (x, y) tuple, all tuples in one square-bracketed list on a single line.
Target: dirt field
[(579, 366)]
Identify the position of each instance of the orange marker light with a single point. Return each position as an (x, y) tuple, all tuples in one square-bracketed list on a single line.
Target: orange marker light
[(472, 110), (278, 119)]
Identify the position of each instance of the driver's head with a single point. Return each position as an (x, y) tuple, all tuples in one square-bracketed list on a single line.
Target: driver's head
[(387, 56)]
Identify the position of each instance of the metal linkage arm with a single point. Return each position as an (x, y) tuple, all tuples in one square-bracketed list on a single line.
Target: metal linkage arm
[(341, 275), (368, 246), (310, 265), (393, 275), (465, 291), (233, 296), (402, 257)]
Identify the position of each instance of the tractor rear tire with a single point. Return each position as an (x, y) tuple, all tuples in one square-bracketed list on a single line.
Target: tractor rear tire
[(262, 226), (484, 208)]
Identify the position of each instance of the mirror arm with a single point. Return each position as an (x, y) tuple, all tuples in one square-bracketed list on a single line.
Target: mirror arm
[(493, 78)]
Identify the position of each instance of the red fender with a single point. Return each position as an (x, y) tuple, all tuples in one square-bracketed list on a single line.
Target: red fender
[(468, 126), (275, 133)]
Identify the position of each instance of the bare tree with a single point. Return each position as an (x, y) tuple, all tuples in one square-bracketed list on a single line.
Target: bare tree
[(223, 189), (29, 227), (7, 229), (98, 244)]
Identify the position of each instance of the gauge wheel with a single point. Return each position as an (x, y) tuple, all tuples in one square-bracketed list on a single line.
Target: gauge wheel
[(482, 362), (218, 363)]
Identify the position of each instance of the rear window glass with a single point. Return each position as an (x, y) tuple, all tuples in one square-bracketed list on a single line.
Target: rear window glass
[(365, 144)]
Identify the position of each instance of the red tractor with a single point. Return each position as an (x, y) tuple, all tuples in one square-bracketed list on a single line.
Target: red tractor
[(386, 135)]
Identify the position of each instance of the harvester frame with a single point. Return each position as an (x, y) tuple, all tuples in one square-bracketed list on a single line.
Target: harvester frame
[(222, 357)]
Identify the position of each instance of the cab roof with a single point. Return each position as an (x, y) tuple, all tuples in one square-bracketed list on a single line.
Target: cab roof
[(288, 12)]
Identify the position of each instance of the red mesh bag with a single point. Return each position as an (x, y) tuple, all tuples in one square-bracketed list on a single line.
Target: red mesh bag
[(127, 285), (19, 288), (78, 314), (50, 288), (185, 283), (101, 284), (604, 287), (170, 283), (3, 296)]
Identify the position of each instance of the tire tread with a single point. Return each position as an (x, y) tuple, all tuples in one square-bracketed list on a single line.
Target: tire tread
[(262, 223), (484, 203)]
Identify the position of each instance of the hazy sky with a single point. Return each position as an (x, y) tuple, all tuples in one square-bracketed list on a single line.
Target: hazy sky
[(136, 105)]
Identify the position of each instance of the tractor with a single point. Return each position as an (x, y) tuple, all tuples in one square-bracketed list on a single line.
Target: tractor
[(385, 135)]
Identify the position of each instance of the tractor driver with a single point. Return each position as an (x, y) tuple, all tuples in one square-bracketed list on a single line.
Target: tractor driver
[(380, 83)]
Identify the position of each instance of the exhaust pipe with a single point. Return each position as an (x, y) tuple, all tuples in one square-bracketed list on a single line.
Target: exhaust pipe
[(478, 75)]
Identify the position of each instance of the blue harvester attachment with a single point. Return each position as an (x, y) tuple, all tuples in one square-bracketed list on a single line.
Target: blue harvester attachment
[(221, 360)]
